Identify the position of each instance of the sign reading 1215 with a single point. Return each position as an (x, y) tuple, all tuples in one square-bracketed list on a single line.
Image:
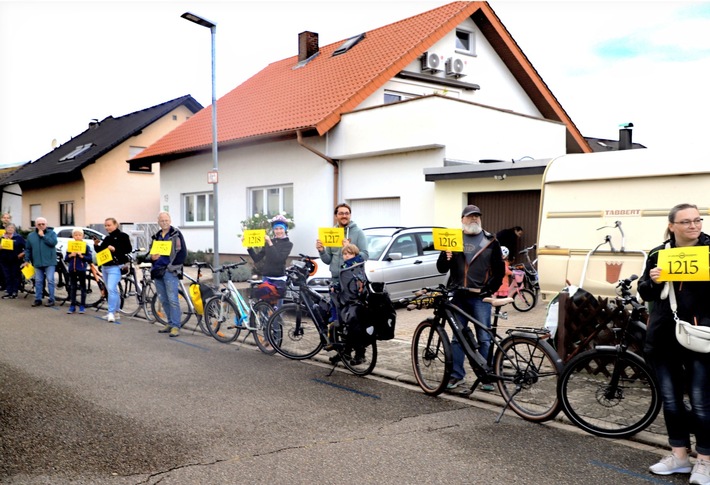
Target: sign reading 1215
[(690, 263)]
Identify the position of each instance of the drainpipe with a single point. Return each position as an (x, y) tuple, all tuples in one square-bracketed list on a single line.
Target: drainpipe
[(336, 168)]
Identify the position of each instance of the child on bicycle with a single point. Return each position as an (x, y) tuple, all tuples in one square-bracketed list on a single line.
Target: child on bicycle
[(77, 264), (505, 286)]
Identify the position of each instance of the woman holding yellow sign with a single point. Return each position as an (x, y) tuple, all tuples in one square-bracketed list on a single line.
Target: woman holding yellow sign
[(276, 249), (111, 254), (12, 250), (679, 370)]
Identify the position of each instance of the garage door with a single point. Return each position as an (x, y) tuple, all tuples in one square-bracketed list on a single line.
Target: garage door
[(376, 212)]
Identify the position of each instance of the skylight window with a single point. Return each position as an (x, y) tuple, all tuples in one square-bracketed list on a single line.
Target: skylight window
[(348, 44), (76, 152)]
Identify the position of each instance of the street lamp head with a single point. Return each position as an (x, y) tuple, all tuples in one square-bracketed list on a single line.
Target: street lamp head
[(198, 20)]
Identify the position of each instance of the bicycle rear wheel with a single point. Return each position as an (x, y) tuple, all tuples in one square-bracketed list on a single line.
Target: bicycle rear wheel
[(592, 402), (524, 300), (529, 369), (432, 358), (161, 314), (293, 333), (221, 317), (95, 292), (259, 318), (364, 367), (61, 285)]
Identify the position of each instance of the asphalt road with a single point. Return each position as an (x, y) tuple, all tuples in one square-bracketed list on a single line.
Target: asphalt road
[(84, 401)]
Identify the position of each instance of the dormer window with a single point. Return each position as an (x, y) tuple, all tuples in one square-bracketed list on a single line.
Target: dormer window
[(465, 42), (348, 44), (76, 152)]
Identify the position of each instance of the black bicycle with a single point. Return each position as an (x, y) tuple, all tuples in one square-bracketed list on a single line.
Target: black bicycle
[(610, 391), (299, 330), (523, 364)]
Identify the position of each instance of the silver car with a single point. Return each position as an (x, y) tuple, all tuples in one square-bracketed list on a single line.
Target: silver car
[(403, 258)]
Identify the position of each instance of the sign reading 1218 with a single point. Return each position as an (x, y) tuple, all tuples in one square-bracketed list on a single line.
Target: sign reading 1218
[(690, 263)]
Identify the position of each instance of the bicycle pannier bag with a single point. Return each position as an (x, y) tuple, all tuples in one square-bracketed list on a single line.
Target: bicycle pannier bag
[(381, 314), (693, 337), (196, 297)]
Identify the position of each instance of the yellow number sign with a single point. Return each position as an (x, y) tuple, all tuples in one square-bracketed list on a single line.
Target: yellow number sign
[(254, 238), (2, 232), (76, 247), (448, 240), (6, 243), (331, 236), (103, 257), (684, 264), (28, 271), (162, 248)]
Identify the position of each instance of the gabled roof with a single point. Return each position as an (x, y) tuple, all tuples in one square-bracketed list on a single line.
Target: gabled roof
[(99, 139), (282, 99)]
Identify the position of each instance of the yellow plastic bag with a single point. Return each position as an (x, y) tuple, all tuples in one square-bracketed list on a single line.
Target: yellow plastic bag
[(196, 297)]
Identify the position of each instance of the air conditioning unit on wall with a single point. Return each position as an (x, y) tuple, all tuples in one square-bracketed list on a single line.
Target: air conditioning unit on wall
[(455, 67), (431, 62)]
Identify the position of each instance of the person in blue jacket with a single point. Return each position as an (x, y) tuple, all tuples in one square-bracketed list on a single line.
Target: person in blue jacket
[(77, 264), (40, 250)]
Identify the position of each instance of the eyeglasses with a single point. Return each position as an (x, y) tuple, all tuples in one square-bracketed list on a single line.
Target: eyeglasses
[(697, 222), (343, 213)]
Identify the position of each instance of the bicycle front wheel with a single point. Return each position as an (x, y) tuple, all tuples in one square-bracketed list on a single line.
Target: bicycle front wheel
[(259, 319), (222, 318), (293, 333), (524, 300), (432, 358), (361, 367), (593, 400), (161, 314), (129, 297), (527, 370)]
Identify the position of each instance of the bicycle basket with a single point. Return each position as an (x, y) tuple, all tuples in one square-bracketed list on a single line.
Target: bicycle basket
[(519, 275)]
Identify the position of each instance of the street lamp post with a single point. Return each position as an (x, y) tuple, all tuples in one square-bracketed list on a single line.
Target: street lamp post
[(215, 166)]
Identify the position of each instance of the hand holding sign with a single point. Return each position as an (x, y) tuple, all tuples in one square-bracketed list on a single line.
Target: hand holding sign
[(254, 238), (331, 236), (448, 240), (691, 263), (161, 248)]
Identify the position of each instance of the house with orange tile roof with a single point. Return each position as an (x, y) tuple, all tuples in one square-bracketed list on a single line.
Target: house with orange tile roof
[(406, 123), (87, 179)]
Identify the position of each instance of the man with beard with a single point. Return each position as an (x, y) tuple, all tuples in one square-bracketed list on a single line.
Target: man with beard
[(478, 272)]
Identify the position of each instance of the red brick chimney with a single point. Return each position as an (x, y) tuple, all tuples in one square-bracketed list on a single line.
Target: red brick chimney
[(307, 45)]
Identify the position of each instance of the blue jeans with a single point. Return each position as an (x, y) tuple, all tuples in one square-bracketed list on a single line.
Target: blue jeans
[(481, 311), (168, 290), (46, 272), (685, 372), (112, 276)]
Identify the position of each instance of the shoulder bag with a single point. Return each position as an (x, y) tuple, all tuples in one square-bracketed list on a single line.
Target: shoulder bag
[(692, 337)]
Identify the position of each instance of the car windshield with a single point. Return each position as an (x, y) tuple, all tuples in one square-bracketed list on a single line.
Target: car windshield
[(376, 244)]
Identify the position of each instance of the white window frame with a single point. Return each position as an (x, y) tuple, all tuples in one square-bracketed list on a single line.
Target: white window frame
[(402, 96), (35, 212), (284, 205), (209, 213), (471, 51)]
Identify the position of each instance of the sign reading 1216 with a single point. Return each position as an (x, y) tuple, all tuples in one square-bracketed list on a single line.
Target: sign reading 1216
[(448, 239), (684, 264)]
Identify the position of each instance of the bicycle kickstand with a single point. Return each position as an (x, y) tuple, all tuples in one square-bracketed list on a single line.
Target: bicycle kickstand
[(507, 403)]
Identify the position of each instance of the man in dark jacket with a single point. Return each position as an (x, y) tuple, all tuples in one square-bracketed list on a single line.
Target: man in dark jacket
[(40, 250), (478, 271), (12, 251), (166, 271)]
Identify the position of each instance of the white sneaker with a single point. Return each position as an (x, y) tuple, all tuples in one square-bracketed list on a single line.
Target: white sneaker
[(110, 317), (701, 472), (670, 465)]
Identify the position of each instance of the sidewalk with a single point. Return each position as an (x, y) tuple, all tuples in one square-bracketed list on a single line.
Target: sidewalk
[(394, 360)]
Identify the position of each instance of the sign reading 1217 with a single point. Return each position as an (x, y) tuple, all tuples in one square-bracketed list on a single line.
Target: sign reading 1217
[(684, 264)]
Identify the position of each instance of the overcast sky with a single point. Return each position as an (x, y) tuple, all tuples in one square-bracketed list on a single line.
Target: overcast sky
[(607, 62)]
